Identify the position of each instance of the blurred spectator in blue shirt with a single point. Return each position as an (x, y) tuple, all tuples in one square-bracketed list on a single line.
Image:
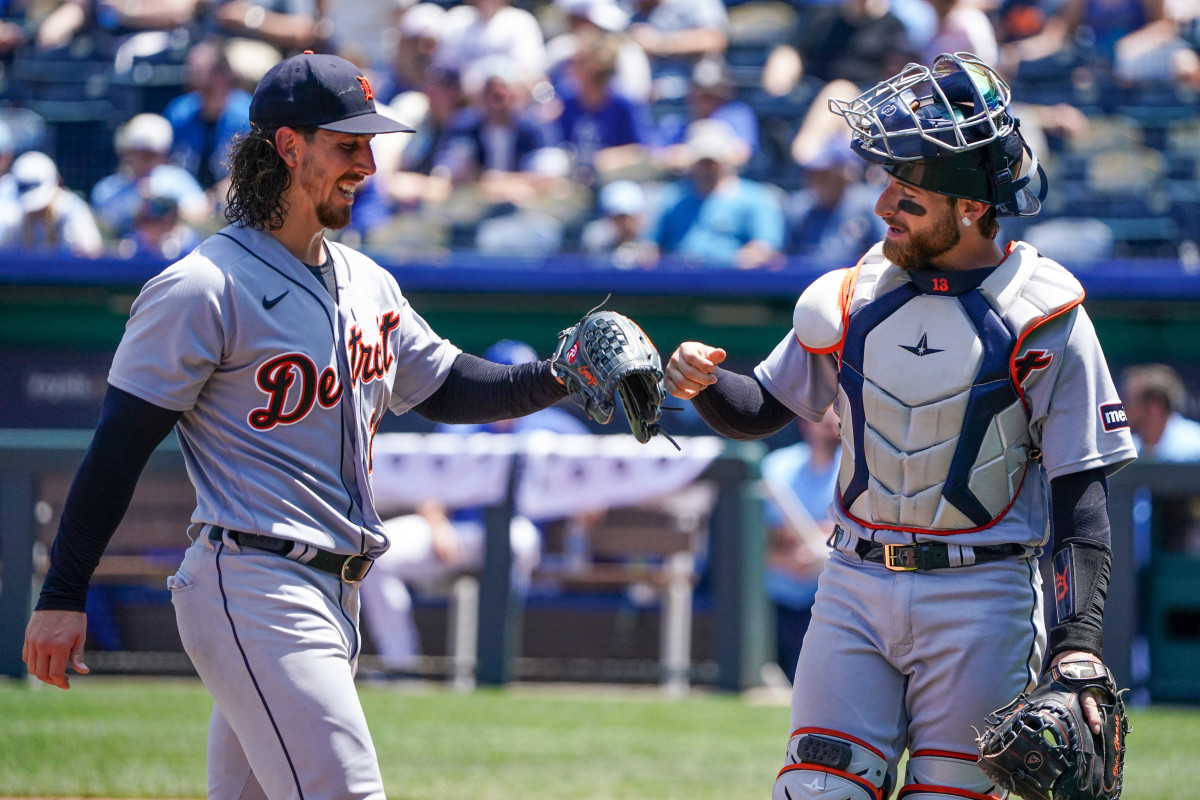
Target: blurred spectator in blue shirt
[(618, 238), (832, 218), (675, 34), (604, 131), (207, 118), (712, 94), (158, 232), (502, 158), (714, 215), (53, 218), (801, 482), (498, 132), (1154, 397), (143, 144)]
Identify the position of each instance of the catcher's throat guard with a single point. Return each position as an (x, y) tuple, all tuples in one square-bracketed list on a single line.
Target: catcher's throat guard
[(606, 356), (1041, 747)]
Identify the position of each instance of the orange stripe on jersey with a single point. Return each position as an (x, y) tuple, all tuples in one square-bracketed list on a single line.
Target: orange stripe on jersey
[(875, 791)]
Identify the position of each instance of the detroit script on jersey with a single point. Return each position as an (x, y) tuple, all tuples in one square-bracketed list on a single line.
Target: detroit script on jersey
[(294, 376)]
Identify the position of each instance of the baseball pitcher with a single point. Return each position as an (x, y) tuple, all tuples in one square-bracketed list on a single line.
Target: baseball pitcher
[(274, 353)]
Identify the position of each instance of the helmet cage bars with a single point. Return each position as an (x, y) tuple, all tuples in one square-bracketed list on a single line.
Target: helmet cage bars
[(947, 128)]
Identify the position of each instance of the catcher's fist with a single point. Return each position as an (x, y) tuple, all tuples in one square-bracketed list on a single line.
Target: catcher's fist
[(692, 368)]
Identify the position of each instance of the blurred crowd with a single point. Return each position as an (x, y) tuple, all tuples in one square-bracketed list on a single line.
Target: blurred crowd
[(630, 130)]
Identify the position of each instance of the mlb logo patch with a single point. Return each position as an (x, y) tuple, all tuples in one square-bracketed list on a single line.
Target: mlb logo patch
[(1112, 416)]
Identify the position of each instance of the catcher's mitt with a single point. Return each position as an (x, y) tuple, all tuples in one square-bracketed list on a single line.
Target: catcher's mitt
[(604, 355), (1040, 746)]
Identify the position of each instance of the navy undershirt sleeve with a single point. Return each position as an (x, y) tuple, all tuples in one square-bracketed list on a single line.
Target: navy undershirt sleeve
[(127, 433), (477, 390), (739, 407), (1083, 543)]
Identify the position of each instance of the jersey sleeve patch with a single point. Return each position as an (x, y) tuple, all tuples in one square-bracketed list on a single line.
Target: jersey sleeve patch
[(1112, 416)]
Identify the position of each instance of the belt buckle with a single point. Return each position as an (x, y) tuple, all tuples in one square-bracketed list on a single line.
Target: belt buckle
[(900, 557), (349, 572)]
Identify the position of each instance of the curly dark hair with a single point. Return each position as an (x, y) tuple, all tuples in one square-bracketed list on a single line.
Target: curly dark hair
[(257, 180)]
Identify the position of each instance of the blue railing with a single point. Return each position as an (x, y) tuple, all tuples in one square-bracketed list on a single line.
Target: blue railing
[(1117, 279)]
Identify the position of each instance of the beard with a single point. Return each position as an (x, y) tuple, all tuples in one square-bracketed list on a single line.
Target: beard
[(333, 217), (922, 248), (330, 215)]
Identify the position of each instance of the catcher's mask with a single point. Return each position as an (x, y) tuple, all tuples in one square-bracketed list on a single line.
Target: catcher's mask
[(947, 128)]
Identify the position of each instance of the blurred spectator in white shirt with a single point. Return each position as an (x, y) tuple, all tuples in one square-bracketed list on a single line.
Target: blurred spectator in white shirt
[(482, 28), (418, 33), (143, 145), (53, 218), (588, 18), (962, 26)]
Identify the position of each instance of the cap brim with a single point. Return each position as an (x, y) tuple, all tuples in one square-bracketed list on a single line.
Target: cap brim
[(367, 123)]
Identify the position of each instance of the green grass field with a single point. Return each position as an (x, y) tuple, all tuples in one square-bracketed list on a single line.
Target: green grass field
[(145, 738)]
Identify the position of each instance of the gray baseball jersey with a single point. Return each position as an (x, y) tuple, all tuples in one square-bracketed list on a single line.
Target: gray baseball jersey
[(960, 395), (1073, 416), (281, 387)]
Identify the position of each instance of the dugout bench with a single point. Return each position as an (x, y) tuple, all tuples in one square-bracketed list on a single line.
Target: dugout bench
[(740, 609)]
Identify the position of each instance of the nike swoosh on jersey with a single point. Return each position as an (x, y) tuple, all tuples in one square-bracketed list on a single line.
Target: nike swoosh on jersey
[(269, 304)]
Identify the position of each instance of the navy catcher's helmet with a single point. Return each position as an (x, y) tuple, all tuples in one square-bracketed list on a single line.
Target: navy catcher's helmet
[(947, 128)]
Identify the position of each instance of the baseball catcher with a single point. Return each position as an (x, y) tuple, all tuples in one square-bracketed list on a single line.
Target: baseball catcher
[(1040, 746), (967, 377), (606, 355)]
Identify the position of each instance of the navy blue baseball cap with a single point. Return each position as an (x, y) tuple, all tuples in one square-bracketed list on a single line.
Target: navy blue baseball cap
[(318, 90)]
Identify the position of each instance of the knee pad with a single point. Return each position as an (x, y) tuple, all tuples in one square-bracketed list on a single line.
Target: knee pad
[(939, 774), (831, 766)]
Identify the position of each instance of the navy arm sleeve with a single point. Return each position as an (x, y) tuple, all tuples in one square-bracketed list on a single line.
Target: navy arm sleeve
[(477, 390), (127, 433), (1082, 560), (740, 407)]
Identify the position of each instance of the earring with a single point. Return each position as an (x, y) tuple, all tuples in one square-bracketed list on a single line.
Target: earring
[(966, 221)]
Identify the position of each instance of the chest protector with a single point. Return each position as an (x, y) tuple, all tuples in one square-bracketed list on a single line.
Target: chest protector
[(935, 426)]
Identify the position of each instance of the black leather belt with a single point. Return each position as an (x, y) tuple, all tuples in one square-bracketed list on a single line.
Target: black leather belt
[(351, 569), (928, 555)]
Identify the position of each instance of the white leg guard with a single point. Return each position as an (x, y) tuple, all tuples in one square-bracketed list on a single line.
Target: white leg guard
[(830, 766), (936, 775)]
